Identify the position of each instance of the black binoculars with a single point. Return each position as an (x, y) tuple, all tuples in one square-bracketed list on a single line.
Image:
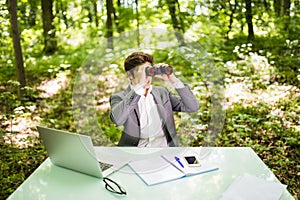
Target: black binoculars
[(152, 71)]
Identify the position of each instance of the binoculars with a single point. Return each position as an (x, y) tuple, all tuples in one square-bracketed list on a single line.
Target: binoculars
[(152, 71)]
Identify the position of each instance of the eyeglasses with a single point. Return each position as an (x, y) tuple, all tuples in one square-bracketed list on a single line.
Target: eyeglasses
[(114, 187)]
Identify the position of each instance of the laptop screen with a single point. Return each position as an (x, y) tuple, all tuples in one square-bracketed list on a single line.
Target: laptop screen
[(71, 151)]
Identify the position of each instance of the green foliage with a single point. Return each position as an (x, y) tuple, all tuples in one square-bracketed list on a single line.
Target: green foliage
[(17, 164), (282, 54), (126, 15), (268, 135)]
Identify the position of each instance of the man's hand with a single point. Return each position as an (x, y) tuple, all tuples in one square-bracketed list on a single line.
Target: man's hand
[(170, 78)]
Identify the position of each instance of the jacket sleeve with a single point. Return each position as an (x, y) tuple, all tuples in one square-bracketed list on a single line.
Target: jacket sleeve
[(122, 105), (185, 102)]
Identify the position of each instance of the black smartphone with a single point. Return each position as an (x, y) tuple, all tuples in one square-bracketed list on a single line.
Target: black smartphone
[(192, 161)]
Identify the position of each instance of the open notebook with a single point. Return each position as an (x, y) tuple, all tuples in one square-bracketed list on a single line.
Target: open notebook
[(166, 168)]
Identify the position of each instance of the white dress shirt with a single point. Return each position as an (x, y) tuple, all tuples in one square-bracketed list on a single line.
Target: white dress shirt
[(152, 134)]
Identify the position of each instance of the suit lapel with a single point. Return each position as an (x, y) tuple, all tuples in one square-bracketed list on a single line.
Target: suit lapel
[(136, 112), (158, 101), (156, 96)]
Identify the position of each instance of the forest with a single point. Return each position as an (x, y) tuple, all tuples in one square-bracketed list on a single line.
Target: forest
[(60, 61)]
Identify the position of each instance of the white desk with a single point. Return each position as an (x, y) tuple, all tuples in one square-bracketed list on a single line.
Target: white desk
[(52, 182)]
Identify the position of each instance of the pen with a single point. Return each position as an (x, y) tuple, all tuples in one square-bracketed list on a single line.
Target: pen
[(178, 160)]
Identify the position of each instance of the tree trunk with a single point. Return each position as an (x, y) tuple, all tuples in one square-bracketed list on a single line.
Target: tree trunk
[(12, 8), (266, 5), (182, 27), (278, 7), (109, 28), (87, 6), (249, 20), (296, 3), (286, 7), (138, 22), (176, 26), (62, 10), (95, 13), (116, 20), (232, 10), (286, 13), (33, 8), (49, 30)]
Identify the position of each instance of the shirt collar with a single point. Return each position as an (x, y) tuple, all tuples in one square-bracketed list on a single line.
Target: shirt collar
[(149, 90)]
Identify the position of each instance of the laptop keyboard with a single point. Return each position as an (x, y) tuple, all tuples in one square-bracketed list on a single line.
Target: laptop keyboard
[(104, 166)]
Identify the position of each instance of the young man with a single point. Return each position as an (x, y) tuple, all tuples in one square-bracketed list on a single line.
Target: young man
[(146, 111)]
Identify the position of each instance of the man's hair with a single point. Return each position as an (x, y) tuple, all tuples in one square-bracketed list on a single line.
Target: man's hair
[(136, 59)]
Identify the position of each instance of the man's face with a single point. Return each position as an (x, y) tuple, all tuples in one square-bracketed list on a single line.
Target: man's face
[(140, 75)]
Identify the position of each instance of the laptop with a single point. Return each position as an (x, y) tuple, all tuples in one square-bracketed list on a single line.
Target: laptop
[(75, 152)]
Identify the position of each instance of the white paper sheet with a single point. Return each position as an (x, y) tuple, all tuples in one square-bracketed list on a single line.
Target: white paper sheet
[(155, 170), (249, 187)]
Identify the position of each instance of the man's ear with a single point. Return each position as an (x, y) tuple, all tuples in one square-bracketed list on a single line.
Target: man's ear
[(130, 75)]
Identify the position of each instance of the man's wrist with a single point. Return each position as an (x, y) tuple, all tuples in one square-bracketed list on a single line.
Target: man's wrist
[(177, 83)]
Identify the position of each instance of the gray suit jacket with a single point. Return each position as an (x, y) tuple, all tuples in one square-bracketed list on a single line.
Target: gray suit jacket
[(125, 111)]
